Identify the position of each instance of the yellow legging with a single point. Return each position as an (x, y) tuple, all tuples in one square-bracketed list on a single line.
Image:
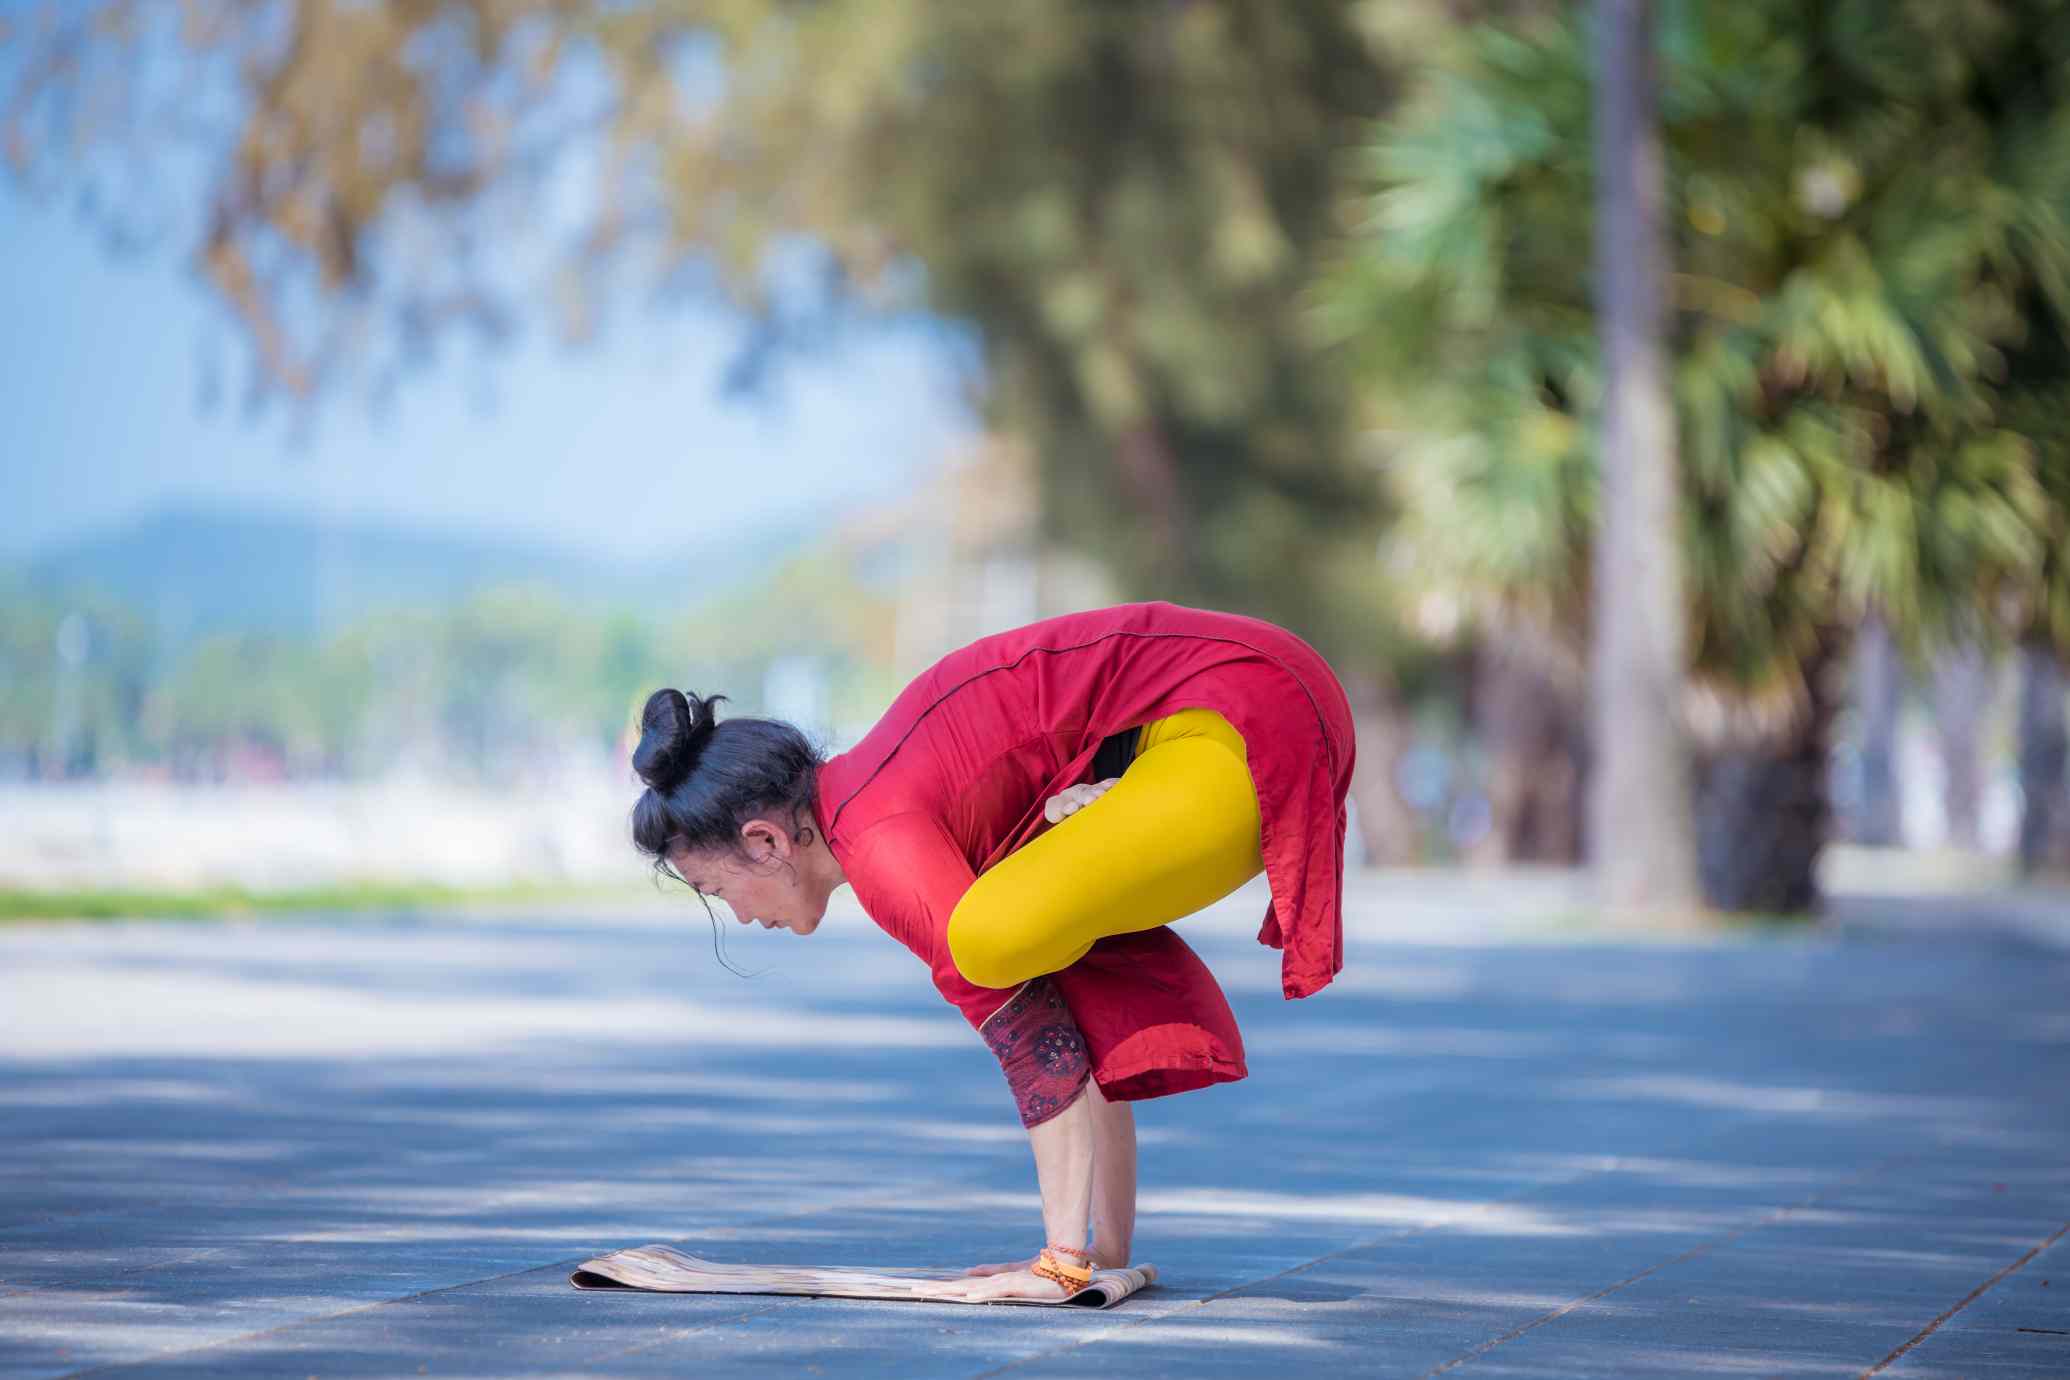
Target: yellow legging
[(1178, 831)]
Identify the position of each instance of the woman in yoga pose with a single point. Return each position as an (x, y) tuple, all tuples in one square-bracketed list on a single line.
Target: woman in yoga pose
[(1028, 817)]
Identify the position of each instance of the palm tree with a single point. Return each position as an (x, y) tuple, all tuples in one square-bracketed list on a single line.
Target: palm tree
[(2038, 403), (2044, 762), (1860, 198), (1639, 805)]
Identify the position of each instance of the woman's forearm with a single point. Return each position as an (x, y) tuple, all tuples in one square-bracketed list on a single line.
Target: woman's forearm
[(1114, 1178), (1063, 1147), (1085, 1163)]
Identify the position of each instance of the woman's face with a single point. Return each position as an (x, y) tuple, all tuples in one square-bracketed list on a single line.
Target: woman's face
[(765, 892)]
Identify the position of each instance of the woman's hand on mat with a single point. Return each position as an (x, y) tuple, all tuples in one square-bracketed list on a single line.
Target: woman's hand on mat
[(1005, 1266), (1013, 1284), (1072, 799)]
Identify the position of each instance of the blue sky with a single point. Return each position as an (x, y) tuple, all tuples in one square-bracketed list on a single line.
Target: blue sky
[(101, 385)]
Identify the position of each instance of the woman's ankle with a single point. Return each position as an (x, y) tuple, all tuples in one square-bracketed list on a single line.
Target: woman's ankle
[(1105, 1258)]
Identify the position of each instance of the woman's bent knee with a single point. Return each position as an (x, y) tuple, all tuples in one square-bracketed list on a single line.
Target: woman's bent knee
[(1198, 722), (975, 949)]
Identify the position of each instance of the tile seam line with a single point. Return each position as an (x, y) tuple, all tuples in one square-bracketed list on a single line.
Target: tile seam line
[(1966, 1301), (9, 1292), (159, 1357), (1522, 1192), (162, 1206), (170, 1204), (1701, 1248)]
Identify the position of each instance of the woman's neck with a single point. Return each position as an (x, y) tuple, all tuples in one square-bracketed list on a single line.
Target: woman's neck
[(822, 866)]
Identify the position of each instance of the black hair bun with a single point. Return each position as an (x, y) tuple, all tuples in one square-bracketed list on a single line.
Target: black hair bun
[(672, 729)]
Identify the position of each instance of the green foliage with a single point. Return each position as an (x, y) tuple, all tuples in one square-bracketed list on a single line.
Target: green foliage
[(1870, 212), (487, 689), (54, 711), (214, 902), (1123, 200)]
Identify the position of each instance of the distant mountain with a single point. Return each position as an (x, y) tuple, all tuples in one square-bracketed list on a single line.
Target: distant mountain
[(197, 569)]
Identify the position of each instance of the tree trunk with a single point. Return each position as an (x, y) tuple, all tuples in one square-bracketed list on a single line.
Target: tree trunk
[(1879, 693), (2044, 762), (1764, 812), (1639, 822), (1962, 685), (1151, 472), (1386, 824), (1531, 727)]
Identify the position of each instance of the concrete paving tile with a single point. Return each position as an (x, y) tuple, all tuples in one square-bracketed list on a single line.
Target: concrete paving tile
[(1645, 1359), (2021, 1319), (540, 1326), (1451, 1143), (1807, 1286), (2031, 1350)]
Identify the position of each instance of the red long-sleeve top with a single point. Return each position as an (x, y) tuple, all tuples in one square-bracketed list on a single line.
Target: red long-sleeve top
[(955, 774)]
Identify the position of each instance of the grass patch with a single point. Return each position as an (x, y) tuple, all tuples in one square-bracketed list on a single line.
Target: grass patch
[(218, 901)]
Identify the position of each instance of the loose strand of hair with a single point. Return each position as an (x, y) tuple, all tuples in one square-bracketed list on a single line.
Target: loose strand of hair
[(713, 916), (662, 869)]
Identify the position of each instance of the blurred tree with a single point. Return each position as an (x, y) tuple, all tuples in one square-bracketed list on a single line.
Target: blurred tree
[(1529, 714), (238, 694), (1123, 199), (1878, 696), (2036, 392), (1871, 207), (2044, 762), (1638, 805), (75, 666), (500, 687), (814, 603), (1963, 682)]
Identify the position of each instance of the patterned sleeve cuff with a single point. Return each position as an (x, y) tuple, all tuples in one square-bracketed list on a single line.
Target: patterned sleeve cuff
[(1038, 1046)]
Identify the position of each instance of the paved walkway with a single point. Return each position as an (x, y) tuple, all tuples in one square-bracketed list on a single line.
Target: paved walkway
[(366, 1147)]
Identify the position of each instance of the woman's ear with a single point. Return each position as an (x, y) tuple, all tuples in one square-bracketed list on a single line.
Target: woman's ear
[(762, 839)]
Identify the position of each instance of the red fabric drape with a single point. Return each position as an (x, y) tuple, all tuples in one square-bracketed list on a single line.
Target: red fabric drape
[(954, 775)]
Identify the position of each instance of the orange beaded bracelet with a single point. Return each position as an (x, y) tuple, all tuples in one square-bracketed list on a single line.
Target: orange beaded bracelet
[(1072, 1277)]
